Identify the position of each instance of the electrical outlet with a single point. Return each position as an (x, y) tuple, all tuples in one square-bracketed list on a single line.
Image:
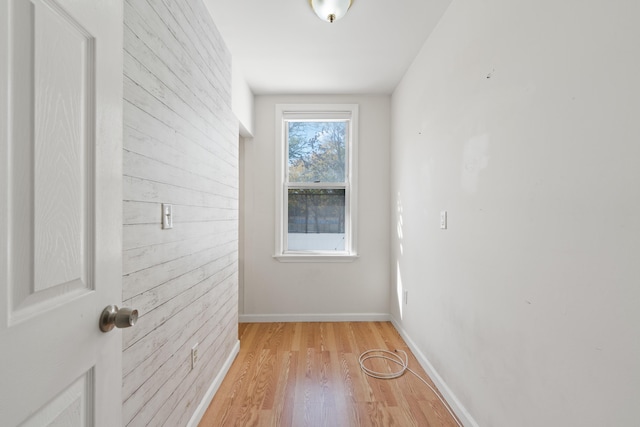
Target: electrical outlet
[(194, 355)]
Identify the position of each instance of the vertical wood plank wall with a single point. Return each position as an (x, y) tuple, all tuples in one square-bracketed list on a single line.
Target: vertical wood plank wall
[(180, 147)]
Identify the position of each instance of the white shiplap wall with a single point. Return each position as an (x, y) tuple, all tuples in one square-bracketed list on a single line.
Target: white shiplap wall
[(180, 147)]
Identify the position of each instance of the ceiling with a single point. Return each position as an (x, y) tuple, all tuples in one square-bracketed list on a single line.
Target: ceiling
[(282, 47)]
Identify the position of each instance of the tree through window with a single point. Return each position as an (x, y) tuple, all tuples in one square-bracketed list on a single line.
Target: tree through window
[(317, 198)]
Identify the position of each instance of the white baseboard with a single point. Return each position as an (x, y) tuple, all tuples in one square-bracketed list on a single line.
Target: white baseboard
[(329, 317), (213, 388), (461, 412)]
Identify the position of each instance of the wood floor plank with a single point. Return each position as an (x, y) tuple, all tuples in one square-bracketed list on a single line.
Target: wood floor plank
[(308, 374), (343, 340), (284, 397)]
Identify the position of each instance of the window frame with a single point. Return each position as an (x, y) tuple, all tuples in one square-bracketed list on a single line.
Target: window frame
[(316, 112)]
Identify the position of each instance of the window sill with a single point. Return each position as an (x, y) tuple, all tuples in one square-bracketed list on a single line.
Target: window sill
[(316, 257)]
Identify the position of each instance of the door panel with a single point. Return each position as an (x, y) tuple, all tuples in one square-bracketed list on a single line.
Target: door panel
[(60, 211), (63, 149), (51, 175), (69, 408)]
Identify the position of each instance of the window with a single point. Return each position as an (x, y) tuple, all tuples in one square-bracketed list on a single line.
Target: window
[(316, 193)]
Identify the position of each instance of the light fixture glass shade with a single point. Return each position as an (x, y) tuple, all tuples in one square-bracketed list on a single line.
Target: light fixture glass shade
[(330, 10)]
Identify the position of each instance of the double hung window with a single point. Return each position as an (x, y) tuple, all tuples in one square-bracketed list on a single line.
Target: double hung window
[(316, 181)]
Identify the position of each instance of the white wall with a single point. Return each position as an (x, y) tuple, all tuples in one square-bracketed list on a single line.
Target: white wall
[(521, 120), (360, 288), (180, 147), (242, 102)]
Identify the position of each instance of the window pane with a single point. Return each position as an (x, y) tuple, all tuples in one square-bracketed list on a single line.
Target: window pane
[(316, 220), (317, 151)]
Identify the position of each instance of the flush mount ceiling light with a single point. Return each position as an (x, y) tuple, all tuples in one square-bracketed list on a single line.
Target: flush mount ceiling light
[(330, 10)]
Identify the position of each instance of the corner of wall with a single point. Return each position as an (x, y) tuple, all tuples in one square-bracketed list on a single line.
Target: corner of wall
[(447, 394), (213, 388), (242, 101)]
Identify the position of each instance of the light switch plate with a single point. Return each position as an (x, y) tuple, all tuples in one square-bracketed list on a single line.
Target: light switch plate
[(167, 216), (443, 220)]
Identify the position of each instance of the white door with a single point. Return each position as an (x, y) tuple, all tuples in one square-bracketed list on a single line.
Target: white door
[(60, 211)]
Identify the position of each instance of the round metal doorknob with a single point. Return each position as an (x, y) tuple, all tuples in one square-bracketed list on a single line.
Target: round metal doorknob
[(112, 316)]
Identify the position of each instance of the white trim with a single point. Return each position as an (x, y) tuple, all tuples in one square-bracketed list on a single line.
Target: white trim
[(301, 257), (319, 112), (458, 408), (312, 185), (213, 388), (320, 317)]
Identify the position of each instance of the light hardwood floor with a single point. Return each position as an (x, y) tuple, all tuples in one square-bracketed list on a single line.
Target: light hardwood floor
[(307, 374)]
